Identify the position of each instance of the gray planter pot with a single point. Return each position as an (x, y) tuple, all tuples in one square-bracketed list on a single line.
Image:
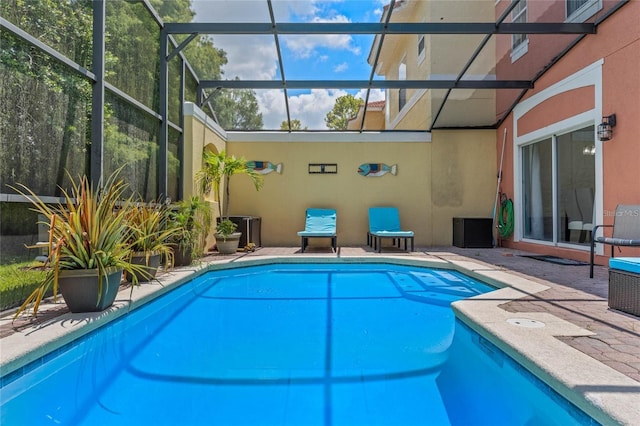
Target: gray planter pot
[(81, 289), (182, 256), (229, 246), (151, 268)]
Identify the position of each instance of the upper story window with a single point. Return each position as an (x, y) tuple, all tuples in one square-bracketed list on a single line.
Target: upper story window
[(581, 10), (402, 75), (519, 42), (421, 48)]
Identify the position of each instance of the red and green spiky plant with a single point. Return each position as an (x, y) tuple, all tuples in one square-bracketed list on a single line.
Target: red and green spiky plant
[(87, 230)]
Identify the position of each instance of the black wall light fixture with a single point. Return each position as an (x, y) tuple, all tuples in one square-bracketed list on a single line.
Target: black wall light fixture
[(605, 131)]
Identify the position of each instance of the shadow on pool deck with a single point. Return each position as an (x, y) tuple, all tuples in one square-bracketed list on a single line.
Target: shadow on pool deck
[(572, 296)]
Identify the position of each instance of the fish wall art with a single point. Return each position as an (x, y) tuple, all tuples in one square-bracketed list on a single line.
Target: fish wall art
[(377, 169), (265, 167)]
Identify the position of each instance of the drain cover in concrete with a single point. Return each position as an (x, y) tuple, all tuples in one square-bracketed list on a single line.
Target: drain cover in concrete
[(525, 322)]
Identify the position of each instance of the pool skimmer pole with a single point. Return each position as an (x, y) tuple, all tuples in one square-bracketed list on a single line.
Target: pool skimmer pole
[(495, 202)]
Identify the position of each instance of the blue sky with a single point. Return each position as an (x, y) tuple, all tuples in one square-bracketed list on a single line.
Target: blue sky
[(329, 57)]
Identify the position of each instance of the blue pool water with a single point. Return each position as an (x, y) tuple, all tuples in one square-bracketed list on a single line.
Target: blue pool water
[(327, 344)]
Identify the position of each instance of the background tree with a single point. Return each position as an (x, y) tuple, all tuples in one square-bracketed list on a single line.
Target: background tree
[(44, 106), (237, 109), (346, 108), (174, 10), (295, 125), (206, 60)]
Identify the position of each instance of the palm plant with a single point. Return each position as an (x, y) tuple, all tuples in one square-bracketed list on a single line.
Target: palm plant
[(216, 173)]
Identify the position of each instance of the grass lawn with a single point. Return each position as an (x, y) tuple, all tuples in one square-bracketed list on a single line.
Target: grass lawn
[(17, 281)]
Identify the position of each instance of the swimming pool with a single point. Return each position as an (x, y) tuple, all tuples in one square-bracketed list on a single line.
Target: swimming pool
[(291, 344)]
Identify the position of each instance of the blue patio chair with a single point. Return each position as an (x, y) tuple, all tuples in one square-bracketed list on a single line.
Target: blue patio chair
[(384, 222), (320, 223)]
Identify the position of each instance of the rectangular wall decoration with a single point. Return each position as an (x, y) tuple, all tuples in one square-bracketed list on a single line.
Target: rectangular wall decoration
[(322, 168)]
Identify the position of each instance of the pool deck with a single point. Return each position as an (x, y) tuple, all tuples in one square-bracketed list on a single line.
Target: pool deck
[(552, 318)]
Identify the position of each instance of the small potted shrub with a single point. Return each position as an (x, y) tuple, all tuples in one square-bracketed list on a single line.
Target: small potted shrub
[(215, 173), (148, 235), (88, 245), (227, 238), (190, 219)]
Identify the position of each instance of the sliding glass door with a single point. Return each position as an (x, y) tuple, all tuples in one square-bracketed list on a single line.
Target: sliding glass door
[(559, 187), (538, 190)]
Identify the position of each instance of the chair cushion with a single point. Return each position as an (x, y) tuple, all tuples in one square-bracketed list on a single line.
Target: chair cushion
[(629, 264), (319, 223), (316, 233), (393, 234)]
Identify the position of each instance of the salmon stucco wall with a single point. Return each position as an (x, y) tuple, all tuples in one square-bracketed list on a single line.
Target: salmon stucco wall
[(564, 105), (616, 46)]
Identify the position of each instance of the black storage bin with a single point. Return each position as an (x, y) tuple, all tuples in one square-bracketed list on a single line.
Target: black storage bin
[(249, 226), (472, 232)]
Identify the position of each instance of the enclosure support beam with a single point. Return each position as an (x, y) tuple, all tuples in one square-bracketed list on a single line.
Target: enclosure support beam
[(180, 172), (366, 84), (163, 97), (96, 161), (306, 28), (181, 46), (473, 57)]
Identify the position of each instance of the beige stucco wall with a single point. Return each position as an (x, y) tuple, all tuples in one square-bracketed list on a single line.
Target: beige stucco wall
[(453, 175), (416, 114), (464, 178), (374, 120), (284, 198), (198, 134), (476, 106)]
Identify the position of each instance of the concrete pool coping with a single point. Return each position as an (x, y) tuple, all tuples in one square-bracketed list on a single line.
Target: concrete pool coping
[(531, 338)]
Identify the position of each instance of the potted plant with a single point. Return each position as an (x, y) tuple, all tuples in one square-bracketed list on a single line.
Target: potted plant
[(227, 239), (148, 235), (191, 219), (88, 247), (216, 173)]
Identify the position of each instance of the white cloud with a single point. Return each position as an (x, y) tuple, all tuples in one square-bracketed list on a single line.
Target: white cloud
[(249, 57), (297, 8), (272, 107), (304, 46), (309, 108), (254, 57), (374, 95), (230, 11), (341, 67)]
